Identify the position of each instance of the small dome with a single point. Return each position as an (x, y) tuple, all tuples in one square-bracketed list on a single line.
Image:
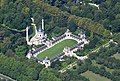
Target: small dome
[(68, 30), (80, 33), (46, 58)]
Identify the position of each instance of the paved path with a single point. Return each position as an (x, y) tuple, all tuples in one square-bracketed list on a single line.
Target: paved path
[(75, 63), (3, 25), (72, 65), (20, 31), (6, 77), (92, 4), (68, 67), (104, 45)]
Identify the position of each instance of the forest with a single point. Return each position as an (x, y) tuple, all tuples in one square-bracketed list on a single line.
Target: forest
[(59, 15)]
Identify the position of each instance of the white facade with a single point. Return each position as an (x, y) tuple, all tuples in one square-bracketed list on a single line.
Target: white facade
[(39, 36)]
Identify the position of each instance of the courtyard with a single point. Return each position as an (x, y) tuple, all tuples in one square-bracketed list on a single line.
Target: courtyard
[(57, 49)]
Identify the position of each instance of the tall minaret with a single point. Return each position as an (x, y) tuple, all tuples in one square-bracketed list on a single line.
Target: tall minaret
[(34, 25), (35, 29), (27, 39), (43, 24)]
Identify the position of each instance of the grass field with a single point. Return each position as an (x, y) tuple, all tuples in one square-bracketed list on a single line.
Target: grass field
[(57, 49), (117, 56), (94, 77)]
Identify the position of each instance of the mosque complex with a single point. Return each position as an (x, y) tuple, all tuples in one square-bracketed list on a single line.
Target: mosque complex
[(40, 38)]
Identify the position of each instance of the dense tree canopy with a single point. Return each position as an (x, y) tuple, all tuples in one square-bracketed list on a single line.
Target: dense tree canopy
[(49, 75), (84, 23), (19, 17), (59, 15), (27, 70)]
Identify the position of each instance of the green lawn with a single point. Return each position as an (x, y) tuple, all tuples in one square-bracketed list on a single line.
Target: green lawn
[(117, 56), (94, 77), (57, 49)]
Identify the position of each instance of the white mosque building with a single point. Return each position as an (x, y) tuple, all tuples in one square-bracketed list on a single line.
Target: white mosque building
[(39, 36)]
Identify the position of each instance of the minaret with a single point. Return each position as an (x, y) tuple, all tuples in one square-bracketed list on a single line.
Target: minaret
[(35, 29), (27, 39), (43, 24)]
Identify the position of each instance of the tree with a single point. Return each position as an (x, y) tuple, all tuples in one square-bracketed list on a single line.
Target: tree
[(116, 38), (9, 52), (115, 25), (21, 50), (56, 30), (21, 70), (48, 74), (72, 26)]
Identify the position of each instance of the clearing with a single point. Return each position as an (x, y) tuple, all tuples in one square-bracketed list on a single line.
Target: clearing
[(94, 77), (117, 56)]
